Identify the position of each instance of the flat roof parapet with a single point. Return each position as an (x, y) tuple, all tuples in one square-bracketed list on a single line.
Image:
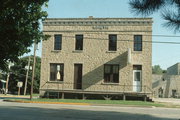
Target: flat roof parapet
[(97, 21)]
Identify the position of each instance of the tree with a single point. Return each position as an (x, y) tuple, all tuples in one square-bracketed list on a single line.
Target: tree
[(18, 73), (170, 10), (19, 27), (156, 69)]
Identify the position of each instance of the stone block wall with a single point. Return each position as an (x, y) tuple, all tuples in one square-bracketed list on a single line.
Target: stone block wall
[(95, 52)]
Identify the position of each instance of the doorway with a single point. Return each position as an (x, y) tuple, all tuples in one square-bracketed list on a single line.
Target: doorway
[(137, 78), (77, 76)]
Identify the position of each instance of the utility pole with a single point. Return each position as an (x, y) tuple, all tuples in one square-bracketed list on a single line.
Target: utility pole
[(7, 81), (34, 65), (27, 73), (8, 75)]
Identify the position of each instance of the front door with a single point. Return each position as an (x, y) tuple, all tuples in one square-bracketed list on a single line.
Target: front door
[(137, 81), (77, 76)]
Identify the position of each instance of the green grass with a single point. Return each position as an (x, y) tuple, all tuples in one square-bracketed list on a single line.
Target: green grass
[(104, 102)]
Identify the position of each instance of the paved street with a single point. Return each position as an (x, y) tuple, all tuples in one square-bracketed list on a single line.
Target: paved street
[(27, 111)]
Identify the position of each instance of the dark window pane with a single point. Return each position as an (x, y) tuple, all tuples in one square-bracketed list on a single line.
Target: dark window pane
[(57, 42), (56, 72), (116, 78), (107, 69), (137, 67), (137, 76), (138, 43), (112, 42), (79, 42), (115, 69)]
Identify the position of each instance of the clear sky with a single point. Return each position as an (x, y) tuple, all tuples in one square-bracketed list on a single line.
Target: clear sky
[(163, 54)]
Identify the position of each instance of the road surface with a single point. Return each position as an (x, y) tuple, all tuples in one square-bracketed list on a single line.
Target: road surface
[(32, 111)]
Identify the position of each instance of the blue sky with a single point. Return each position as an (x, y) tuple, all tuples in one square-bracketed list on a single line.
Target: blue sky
[(163, 54)]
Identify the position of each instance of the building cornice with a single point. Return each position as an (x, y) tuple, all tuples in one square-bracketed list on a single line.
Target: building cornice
[(96, 21)]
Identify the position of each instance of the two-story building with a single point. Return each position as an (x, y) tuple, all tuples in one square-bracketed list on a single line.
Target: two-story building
[(97, 56)]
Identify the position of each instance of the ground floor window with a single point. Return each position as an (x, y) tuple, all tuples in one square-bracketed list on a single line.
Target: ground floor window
[(174, 92), (111, 73), (56, 72)]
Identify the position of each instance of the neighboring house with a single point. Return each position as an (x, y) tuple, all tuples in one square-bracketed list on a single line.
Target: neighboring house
[(97, 56), (166, 85), (174, 69)]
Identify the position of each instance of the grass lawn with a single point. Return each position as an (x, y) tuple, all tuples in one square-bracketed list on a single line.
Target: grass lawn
[(103, 102)]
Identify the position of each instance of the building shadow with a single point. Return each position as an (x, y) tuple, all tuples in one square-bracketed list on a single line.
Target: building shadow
[(96, 76), (60, 113)]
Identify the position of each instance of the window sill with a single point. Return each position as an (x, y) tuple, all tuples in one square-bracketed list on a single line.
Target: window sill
[(137, 52), (77, 51), (55, 51), (109, 83), (111, 51), (55, 81)]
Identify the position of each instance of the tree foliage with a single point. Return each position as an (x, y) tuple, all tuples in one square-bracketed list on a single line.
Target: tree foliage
[(19, 27), (170, 10), (18, 74), (156, 69)]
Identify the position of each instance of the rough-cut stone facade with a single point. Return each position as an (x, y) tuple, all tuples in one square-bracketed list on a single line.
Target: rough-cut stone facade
[(95, 52), (163, 85)]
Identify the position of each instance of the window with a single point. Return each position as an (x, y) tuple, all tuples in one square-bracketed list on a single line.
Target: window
[(79, 42), (112, 42), (111, 73), (137, 42), (57, 42), (56, 72), (137, 67), (174, 93), (137, 72)]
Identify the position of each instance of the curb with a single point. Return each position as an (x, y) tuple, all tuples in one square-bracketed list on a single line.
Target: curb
[(21, 101), (85, 104), (121, 105)]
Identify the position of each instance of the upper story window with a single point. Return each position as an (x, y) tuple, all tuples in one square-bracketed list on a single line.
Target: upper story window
[(137, 42), (112, 42), (57, 42), (79, 42), (56, 72), (111, 73)]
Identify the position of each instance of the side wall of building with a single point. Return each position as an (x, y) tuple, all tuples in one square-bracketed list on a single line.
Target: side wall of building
[(163, 85)]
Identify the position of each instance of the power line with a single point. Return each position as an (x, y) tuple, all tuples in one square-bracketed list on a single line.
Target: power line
[(141, 34), (113, 32), (126, 40)]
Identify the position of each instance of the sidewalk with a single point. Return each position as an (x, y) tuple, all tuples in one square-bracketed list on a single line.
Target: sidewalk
[(2, 96), (174, 101)]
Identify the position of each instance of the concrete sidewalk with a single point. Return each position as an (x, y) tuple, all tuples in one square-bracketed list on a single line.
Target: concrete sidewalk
[(174, 101), (2, 96)]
